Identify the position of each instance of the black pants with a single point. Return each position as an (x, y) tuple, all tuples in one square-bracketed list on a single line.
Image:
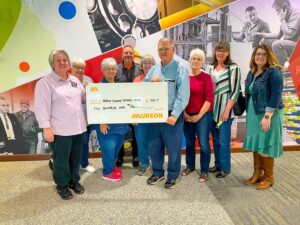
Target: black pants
[(134, 150), (67, 152)]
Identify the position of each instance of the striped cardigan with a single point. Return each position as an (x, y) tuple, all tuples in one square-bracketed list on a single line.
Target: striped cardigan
[(226, 86)]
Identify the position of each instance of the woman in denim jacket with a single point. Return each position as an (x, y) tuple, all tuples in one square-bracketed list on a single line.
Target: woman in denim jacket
[(263, 88)]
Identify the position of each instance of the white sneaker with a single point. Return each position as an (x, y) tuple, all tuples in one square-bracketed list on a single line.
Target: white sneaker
[(89, 168)]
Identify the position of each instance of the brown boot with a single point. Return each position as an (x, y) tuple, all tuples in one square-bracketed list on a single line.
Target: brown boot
[(269, 178), (257, 175)]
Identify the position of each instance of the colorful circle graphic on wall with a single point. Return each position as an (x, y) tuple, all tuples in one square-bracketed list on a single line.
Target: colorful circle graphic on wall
[(67, 10)]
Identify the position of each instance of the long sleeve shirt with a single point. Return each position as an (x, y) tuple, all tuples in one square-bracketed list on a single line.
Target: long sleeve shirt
[(59, 105), (176, 74), (226, 86), (201, 90)]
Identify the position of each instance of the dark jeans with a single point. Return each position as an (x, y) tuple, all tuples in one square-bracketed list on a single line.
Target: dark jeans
[(202, 129), (221, 141), (66, 159), (31, 145)]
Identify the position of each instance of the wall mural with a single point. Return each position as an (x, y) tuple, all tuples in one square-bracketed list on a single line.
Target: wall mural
[(96, 29)]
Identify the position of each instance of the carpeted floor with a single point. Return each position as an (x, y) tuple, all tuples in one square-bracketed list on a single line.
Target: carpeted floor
[(28, 196)]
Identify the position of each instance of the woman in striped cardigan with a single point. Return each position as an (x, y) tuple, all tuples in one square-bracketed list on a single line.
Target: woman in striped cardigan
[(226, 77)]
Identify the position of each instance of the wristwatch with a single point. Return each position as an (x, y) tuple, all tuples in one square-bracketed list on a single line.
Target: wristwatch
[(267, 117)]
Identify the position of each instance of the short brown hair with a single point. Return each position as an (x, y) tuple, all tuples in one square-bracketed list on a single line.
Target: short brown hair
[(272, 60), (223, 45)]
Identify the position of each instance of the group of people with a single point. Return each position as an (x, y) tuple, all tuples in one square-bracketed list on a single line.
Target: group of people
[(18, 131), (200, 102)]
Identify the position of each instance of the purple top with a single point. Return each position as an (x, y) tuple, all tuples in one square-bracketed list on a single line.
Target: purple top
[(59, 104)]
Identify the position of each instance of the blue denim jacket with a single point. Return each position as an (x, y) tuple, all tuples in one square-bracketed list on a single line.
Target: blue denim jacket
[(117, 128), (267, 90)]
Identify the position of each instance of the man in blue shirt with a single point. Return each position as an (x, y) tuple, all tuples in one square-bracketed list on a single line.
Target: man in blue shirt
[(168, 134)]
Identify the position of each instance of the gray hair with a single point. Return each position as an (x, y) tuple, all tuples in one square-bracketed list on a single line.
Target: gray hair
[(198, 52), (107, 63), (78, 60), (147, 58), (53, 53), (167, 40)]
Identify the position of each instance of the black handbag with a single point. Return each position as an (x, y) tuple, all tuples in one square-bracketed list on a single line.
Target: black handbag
[(239, 106)]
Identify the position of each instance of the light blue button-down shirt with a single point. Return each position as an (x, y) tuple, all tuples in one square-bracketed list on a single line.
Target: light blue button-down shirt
[(177, 75)]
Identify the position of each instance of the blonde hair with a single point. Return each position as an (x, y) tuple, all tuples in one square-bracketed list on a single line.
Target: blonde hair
[(78, 60), (146, 58)]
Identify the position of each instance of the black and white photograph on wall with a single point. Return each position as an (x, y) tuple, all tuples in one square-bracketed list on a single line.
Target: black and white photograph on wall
[(272, 22), (121, 22), (19, 129)]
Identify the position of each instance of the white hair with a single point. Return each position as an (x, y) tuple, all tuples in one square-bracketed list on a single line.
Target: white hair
[(198, 52), (107, 63), (78, 60)]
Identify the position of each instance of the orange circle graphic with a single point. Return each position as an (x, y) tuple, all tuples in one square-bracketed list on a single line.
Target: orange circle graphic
[(24, 66)]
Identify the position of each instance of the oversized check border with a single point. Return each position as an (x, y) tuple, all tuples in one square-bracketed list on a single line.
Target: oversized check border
[(127, 102)]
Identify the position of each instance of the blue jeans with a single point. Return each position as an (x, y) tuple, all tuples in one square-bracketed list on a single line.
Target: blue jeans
[(110, 145), (86, 137), (141, 138), (163, 135), (221, 141), (202, 129)]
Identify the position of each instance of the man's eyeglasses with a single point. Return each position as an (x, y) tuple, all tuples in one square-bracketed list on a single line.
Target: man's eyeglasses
[(7, 105), (163, 49)]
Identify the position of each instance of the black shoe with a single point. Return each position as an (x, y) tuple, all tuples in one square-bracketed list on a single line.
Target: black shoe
[(77, 188), (154, 179), (170, 183), (64, 193), (119, 162), (214, 169), (221, 174), (135, 162), (51, 164)]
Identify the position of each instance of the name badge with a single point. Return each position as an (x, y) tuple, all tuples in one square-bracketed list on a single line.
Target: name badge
[(73, 84)]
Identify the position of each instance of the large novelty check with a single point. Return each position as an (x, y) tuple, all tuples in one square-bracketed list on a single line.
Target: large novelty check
[(127, 102)]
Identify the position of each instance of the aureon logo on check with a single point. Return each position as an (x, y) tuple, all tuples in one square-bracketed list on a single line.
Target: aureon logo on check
[(146, 115), (94, 89)]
